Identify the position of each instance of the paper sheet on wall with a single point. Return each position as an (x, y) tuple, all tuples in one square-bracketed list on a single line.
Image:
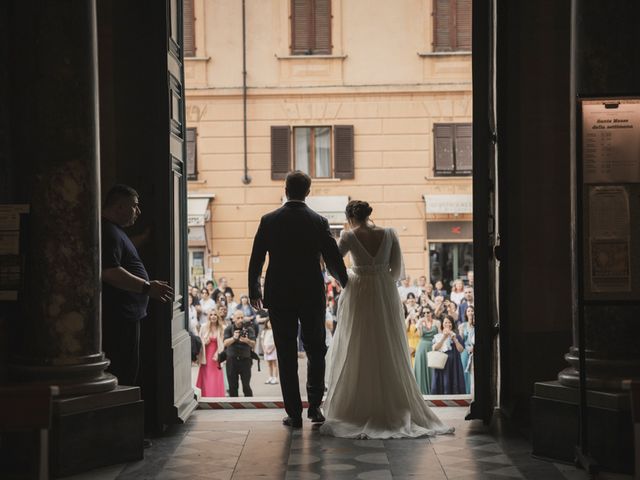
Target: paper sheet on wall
[(609, 239), (611, 141)]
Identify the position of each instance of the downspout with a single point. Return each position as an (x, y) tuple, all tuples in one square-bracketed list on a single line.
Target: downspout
[(246, 179)]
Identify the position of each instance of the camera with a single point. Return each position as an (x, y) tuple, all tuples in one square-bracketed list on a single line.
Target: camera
[(243, 332)]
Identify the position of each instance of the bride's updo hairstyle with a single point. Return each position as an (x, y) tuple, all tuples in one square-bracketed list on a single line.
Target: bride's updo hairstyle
[(358, 210)]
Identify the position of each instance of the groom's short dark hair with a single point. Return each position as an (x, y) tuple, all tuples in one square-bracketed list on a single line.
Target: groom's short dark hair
[(297, 185)]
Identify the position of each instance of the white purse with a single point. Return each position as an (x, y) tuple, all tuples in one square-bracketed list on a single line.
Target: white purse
[(436, 359)]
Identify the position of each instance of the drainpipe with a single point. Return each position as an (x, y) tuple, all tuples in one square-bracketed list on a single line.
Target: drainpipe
[(246, 179)]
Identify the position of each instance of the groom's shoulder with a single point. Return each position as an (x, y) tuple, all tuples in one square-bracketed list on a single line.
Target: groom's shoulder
[(272, 214)]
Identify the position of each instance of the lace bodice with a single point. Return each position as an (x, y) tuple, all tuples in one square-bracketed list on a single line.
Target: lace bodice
[(388, 258)]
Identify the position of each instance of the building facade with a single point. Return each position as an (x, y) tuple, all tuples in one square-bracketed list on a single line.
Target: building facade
[(371, 98)]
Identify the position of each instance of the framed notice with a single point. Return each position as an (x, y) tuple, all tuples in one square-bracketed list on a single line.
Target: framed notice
[(611, 141), (608, 187)]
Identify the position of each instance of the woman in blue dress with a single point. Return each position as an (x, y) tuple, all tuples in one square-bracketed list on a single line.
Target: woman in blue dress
[(468, 334), (450, 379)]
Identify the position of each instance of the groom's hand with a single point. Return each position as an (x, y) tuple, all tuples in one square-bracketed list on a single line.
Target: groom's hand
[(256, 303)]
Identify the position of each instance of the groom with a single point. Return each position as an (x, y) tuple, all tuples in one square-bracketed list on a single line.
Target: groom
[(295, 237)]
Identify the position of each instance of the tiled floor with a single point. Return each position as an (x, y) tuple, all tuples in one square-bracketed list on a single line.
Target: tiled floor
[(239, 445)]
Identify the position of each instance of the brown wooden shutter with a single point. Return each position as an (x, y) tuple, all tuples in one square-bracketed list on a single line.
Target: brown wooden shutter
[(442, 23), (301, 27), (463, 25), (189, 41), (443, 149), (280, 152), (343, 151), (464, 148), (322, 27), (192, 172)]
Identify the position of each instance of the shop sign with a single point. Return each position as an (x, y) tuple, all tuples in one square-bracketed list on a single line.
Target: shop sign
[(448, 204)]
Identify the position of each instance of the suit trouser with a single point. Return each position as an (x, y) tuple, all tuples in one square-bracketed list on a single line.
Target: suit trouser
[(121, 345), (285, 334), (242, 367)]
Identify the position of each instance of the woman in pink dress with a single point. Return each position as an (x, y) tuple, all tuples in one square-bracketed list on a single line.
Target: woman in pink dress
[(210, 380)]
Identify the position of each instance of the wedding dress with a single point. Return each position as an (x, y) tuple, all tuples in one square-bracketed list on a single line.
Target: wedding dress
[(372, 392)]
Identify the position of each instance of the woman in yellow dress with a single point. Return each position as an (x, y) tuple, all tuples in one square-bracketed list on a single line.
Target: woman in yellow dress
[(411, 318)]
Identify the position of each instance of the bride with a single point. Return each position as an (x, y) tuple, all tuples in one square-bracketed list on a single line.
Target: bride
[(372, 392)]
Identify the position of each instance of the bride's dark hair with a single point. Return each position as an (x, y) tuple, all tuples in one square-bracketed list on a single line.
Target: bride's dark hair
[(358, 210)]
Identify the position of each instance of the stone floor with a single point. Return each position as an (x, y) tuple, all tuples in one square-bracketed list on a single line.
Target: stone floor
[(252, 444)]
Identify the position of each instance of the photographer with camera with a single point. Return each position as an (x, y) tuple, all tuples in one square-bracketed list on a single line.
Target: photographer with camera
[(239, 340)]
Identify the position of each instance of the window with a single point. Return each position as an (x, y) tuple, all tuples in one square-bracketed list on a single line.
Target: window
[(452, 149), (189, 43), (311, 27), (192, 171), (452, 25), (312, 151)]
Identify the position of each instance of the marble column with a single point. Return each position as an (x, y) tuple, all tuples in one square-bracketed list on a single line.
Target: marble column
[(607, 63), (57, 339)]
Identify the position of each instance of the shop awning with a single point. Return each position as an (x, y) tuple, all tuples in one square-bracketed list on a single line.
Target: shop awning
[(329, 206), (197, 214), (452, 204)]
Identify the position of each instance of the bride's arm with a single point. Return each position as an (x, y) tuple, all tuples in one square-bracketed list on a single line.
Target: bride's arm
[(343, 244), (396, 264)]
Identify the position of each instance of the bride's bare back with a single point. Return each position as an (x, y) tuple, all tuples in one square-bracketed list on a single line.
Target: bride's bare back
[(370, 238)]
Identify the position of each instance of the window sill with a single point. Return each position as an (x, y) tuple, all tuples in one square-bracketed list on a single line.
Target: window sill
[(309, 57), (198, 59), (444, 54), (197, 182), (326, 180)]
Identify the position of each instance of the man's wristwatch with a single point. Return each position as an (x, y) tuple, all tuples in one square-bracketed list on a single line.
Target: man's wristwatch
[(146, 287)]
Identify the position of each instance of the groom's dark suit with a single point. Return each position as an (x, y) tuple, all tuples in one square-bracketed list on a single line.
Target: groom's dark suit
[(295, 237)]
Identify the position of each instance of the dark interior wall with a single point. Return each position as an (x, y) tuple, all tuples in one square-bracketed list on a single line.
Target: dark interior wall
[(534, 157), (6, 171)]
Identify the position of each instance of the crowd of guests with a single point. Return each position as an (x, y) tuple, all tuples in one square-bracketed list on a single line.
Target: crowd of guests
[(231, 334), (444, 321)]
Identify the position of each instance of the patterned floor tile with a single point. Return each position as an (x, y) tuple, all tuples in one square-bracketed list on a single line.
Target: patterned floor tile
[(243, 445)]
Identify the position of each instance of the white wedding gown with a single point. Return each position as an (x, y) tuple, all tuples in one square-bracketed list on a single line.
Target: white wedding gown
[(372, 392)]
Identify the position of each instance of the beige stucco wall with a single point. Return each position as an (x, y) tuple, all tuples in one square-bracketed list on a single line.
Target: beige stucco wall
[(381, 79)]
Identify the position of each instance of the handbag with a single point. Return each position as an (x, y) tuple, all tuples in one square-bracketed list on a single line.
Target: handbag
[(436, 359)]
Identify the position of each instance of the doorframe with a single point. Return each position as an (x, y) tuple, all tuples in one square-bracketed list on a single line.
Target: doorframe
[(485, 222)]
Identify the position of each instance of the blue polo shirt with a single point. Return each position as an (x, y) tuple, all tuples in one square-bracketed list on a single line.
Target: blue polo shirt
[(119, 251)]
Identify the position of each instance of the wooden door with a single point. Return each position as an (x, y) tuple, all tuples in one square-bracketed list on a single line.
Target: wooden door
[(181, 402), (486, 232)]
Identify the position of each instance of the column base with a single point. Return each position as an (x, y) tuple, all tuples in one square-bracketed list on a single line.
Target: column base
[(555, 426), (93, 431)]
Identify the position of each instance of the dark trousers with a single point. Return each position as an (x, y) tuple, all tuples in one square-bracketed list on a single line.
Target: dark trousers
[(121, 345), (239, 367), (285, 334)]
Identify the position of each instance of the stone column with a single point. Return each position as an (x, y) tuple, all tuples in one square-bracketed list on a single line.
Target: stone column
[(57, 339)]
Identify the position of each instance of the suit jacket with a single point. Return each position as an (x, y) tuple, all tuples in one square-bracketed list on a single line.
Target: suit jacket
[(295, 238)]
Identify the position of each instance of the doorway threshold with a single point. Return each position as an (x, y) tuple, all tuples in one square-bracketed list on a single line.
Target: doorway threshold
[(252, 403)]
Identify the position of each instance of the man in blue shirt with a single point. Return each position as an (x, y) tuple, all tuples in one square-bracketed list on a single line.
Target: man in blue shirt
[(126, 286)]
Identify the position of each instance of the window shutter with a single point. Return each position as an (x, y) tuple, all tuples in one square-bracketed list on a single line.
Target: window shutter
[(463, 25), (280, 152), (343, 151), (443, 149), (189, 41), (192, 172), (322, 27), (442, 20), (464, 149), (301, 27)]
